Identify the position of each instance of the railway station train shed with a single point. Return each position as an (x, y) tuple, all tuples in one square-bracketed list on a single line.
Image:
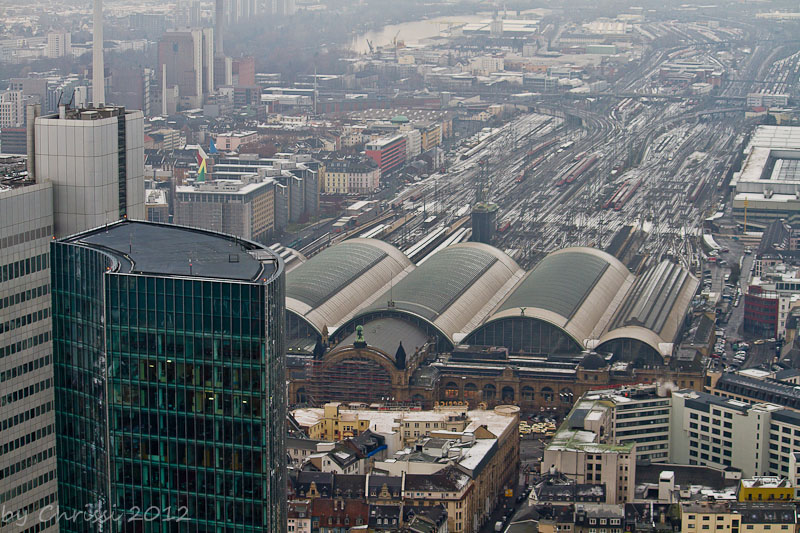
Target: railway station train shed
[(447, 295), (326, 290), (362, 310)]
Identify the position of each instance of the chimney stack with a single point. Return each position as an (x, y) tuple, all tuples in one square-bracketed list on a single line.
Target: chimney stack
[(98, 68)]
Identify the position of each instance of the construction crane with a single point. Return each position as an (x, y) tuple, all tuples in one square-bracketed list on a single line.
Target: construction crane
[(371, 48)]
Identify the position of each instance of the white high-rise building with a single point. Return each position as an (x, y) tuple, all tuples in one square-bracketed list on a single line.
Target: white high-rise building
[(27, 422), (12, 109), (59, 44), (95, 160)]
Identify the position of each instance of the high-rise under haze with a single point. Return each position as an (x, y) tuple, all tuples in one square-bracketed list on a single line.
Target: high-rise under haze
[(85, 168), (169, 378), (27, 436), (95, 159)]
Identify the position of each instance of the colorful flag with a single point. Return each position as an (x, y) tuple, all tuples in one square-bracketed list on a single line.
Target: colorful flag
[(201, 171), (212, 148)]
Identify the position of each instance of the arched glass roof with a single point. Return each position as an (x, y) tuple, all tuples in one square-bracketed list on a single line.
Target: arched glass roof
[(654, 308), (327, 288), (453, 286), (576, 289)]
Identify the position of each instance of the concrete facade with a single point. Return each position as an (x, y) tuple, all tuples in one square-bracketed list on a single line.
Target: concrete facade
[(81, 154), (27, 437), (242, 208)]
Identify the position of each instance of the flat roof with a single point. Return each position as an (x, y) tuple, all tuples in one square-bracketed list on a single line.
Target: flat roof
[(776, 137), (242, 188), (169, 250)]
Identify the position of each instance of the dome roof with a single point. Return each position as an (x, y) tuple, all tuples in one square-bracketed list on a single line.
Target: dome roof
[(593, 361)]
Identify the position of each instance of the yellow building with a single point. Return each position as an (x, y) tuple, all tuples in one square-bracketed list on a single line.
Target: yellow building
[(351, 175), (704, 517), (449, 487), (431, 136), (736, 517), (765, 488), (335, 426)]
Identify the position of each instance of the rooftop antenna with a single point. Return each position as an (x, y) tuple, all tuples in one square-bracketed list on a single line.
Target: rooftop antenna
[(98, 69)]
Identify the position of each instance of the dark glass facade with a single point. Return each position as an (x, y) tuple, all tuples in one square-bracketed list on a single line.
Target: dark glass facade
[(631, 351), (170, 397), (524, 335)]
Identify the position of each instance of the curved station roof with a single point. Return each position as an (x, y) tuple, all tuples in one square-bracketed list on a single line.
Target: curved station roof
[(573, 289), (452, 288), (326, 289), (584, 292), (654, 308)]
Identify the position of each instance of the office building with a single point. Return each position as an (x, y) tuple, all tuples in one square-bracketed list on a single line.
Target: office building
[(13, 141), (282, 7), (699, 517), (169, 376), (752, 386), (244, 208), (156, 205), (59, 44), (187, 14), (641, 417), (36, 88), (130, 88), (351, 175), (586, 452), (230, 142), (12, 109), (186, 61), (766, 185), (27, 436), (95, 159), (764, 488), (389, 153), (243, 72), (153, 25), (767, 99), (66, 189)]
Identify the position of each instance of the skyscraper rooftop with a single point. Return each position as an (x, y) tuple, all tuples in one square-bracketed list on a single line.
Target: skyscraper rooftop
[(179, 251)]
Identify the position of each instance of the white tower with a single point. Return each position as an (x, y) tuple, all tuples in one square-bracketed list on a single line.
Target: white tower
[(98, 69)]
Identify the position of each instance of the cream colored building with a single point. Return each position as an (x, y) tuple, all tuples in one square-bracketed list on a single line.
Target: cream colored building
[(705, 517), (351, 175), (584, 450)]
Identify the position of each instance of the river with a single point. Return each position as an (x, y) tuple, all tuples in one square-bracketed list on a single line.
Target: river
[(410, 32)]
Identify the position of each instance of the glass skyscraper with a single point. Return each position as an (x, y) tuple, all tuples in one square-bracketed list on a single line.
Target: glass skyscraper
[(168, 346)]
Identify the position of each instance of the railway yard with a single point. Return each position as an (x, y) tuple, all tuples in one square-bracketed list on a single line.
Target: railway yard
[(634, 171)]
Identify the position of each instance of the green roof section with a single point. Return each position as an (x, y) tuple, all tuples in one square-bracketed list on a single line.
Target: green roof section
[(560, 283), (433, 286), (330, 271)]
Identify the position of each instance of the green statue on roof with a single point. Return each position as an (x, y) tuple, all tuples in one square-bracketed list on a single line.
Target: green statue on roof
[(360, 342)]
